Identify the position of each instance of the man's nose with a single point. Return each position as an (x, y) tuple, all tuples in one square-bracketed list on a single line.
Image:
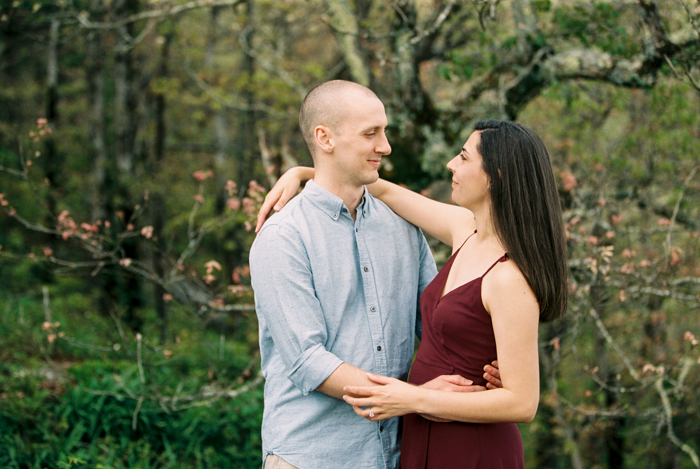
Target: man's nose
[(383, 148)]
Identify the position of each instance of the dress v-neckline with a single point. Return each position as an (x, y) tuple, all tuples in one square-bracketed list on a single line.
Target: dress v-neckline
[(444, 294), (451, 263)]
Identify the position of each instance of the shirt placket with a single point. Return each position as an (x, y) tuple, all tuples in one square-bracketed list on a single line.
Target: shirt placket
[(374, 316)]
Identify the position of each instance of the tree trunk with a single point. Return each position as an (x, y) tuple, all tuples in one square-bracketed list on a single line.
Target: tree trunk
[(346, 22), (613, 441), (51, 157), (156, 201), (125, 129)]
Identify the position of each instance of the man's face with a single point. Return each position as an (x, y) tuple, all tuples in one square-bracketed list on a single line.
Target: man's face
[(360, 140)]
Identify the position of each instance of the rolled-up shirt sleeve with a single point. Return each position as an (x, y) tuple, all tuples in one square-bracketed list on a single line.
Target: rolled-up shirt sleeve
[(287, 305)]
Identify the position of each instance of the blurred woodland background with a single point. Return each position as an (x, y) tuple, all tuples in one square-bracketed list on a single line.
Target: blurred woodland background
[(137, 138)]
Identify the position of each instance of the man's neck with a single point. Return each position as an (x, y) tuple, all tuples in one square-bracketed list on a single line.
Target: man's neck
[(351, 195)]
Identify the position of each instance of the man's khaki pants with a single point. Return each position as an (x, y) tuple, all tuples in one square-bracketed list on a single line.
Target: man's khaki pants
[(275, 462)]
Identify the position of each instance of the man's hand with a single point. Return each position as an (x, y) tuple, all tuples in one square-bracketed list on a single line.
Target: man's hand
[(454, 383)]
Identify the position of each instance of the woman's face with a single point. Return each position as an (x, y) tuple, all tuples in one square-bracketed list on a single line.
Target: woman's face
[(469, 181)]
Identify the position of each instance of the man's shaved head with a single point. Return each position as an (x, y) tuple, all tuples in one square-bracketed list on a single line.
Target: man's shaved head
[(325, 105)]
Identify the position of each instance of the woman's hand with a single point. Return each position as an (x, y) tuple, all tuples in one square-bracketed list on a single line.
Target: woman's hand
[(493, 375), (285, 188), (390, 399)]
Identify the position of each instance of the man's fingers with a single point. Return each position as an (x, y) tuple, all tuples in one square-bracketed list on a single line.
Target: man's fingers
[(459, 380)]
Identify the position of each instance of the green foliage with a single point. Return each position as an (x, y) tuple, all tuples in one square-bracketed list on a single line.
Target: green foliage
[(81, 409), (599, 24)]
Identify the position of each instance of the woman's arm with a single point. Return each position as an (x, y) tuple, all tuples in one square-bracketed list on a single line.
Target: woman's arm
[(515, 315), (448, 223), (284, 189)]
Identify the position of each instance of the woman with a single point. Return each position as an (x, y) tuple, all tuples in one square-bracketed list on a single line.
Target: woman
[(507, 273)]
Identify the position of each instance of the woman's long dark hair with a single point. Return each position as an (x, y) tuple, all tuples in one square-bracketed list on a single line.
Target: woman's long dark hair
[(526, 209)]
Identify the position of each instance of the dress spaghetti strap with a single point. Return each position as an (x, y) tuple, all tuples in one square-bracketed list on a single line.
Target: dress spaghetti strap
[(465, 241), (503, 258)]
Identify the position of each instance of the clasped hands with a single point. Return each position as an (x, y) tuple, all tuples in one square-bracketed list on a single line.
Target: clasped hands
[(393, 398)]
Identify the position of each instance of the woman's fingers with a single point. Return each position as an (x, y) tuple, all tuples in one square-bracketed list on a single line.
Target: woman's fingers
[(357, 401)]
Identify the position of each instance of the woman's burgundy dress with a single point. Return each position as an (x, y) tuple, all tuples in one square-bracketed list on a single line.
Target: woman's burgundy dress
[(457, 339)]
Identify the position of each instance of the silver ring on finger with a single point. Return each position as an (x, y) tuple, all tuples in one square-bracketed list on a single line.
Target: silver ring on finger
[(371, 414)]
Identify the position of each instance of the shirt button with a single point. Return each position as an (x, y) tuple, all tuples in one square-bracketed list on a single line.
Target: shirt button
[(373, 309), (379, 348), (366, 269), (381, 428), (335, 215), (356, 230)]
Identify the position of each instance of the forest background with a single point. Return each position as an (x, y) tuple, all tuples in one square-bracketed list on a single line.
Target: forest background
[(136, 142)]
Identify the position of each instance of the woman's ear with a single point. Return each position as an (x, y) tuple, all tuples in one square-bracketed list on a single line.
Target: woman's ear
[(324, 138)]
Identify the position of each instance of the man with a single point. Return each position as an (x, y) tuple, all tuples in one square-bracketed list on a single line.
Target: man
[(337, 279)]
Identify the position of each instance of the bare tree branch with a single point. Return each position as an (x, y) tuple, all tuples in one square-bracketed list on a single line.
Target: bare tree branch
[(161, 13)]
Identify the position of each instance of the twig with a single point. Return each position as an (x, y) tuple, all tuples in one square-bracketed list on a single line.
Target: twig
[(138, 358), (134, 419), (668, 414), (676, 208), (611, 342)]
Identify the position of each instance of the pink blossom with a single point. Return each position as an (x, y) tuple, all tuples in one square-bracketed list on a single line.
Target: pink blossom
[(211, 265), (230, 187), (569, 180), (89, 227), (167, 297), (126, 262), (203, 175), (147, 232), (41, 121), (233, 203), (209, 278)]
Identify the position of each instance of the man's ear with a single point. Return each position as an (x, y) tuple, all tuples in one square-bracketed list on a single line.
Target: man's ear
[(324, 138)]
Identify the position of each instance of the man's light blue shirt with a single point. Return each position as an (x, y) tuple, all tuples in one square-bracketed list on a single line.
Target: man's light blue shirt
[(328, 290)]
